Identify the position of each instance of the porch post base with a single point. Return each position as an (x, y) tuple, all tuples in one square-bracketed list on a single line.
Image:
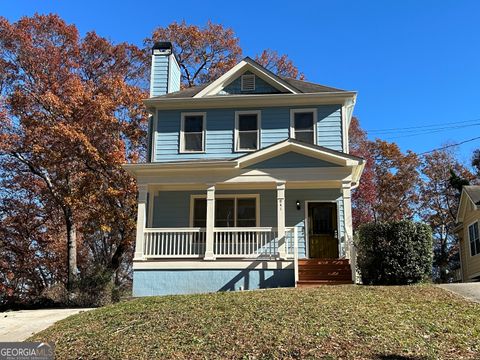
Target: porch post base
[(209, 256), (138, 256)]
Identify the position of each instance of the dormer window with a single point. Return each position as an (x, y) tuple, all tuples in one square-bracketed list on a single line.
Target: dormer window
[(248, 82), (247, 130), (303, 125)]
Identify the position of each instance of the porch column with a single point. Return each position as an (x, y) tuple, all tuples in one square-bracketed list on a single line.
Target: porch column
[(282, 253), (209, 255), (347, 210), (141, 221)]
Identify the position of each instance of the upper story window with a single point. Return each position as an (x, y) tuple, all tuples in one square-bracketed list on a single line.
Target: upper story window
[(248, 82), (192, 134), (303, 125), (247, 130), (474, 236)]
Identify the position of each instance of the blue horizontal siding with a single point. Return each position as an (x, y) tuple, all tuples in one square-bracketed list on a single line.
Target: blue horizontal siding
[(275, 127), (261, 87), (291, 160), (159, 76), (174, 75), (172, 208), (194, 281)]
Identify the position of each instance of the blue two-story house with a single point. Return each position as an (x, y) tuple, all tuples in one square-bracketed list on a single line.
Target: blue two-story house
[(247, 185)]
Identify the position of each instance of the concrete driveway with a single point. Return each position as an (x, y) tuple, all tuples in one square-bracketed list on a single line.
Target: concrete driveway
[(19, 325), (470, 291)]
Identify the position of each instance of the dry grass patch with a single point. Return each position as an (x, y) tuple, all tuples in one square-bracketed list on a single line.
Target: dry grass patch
[(331, 322)]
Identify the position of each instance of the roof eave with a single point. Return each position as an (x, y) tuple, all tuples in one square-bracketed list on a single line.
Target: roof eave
[(327, 98)]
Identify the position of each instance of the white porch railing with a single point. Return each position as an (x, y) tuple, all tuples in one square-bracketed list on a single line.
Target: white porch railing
[(174, 242), (229, 242), (245, 242)]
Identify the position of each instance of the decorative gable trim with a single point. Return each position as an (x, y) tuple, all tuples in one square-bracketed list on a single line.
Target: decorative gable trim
[(313, 151), (246, 64)]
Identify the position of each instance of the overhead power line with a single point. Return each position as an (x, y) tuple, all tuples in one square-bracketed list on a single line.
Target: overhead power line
[(449, 146), (428, 126)]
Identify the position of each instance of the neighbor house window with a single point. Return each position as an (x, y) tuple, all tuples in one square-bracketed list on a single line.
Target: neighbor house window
[(247, 130), (230, 211), (474, 237), (192, 133), (303, 125)]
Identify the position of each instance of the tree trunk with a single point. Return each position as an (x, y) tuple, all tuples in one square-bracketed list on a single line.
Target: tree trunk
[(71, 248)]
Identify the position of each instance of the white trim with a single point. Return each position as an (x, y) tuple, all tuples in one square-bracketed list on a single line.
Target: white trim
[(153, 152), (315, 119), (236, 131), (248, 100), (305, 149), (152, 74), (228, 196), (217, 264), (469, 240), (306, 230), (243, 66), (181, 149)]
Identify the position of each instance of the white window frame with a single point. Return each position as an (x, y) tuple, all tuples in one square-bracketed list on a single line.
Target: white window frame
[(236, 135), (470, 240), (182, 133), (241, 82), (292, 122), (229, 196)]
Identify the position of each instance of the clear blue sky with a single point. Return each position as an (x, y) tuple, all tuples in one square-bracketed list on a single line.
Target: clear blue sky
[(413, 63)]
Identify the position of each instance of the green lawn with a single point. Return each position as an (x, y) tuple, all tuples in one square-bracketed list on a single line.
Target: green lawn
[(330, 322)]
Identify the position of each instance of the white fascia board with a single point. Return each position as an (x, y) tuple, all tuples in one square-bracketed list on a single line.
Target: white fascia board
[(239, 101)]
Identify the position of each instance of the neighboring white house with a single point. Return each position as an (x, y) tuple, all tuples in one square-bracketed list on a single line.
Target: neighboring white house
[(468, 231), (248, 183)]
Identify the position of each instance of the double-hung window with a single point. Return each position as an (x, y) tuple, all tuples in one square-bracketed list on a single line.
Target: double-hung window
[(303, 125), (230, 211), (192, 135), (247, 130), (474, 237)]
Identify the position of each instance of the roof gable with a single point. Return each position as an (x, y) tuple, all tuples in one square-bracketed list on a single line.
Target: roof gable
[(308, 150), (261, 86), (291, 159), (469, 200), (253, 67)]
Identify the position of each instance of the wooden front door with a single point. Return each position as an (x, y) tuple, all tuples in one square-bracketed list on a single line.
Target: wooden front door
[(322, 230)]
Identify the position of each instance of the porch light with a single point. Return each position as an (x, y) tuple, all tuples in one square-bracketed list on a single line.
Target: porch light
[(298, 204)]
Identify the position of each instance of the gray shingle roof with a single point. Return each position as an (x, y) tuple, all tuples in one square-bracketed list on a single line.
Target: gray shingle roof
[(473, 192), (302, 86)]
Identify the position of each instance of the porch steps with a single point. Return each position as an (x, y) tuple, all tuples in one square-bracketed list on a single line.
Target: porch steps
[(314, 272)]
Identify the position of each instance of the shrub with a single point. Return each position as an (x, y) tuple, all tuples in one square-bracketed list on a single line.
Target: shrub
[(394, 253)]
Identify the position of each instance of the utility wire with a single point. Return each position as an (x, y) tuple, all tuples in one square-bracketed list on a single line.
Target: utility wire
[(423, 126), (427, 132), (449, 146)]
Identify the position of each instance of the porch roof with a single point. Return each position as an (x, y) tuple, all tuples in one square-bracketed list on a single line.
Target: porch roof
[(333, 163)]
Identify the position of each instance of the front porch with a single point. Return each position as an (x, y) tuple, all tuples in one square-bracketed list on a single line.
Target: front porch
[(242, 222)]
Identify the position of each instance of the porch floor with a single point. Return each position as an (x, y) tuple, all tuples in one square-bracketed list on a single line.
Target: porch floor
[(313, 272)]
